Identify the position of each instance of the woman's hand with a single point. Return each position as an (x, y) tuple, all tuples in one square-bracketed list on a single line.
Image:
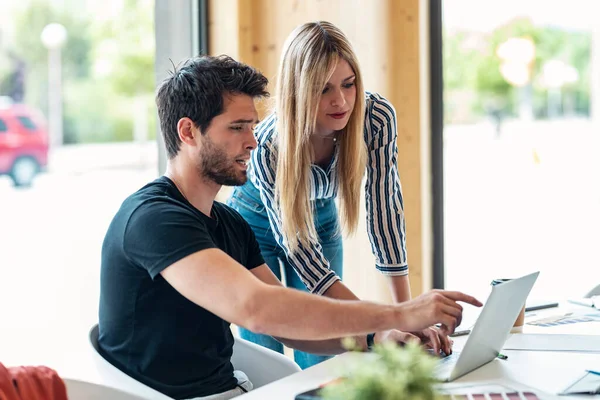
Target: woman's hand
[(432, 338)]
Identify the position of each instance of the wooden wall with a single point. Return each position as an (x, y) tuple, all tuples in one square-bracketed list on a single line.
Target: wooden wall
[(390, 40)]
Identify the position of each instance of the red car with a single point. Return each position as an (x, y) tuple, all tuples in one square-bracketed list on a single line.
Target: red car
[(23, 142)]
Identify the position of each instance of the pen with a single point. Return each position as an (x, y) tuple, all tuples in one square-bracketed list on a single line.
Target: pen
[(461, 333), (583, 302), (589, 371)]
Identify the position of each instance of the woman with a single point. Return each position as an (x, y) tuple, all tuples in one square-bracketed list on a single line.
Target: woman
[(325, 133)]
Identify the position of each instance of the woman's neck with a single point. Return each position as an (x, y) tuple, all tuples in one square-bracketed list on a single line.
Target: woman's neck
[(323, 149)]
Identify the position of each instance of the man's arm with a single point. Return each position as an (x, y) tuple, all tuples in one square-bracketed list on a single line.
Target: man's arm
[(332, 346), (329, 346), (216, 282)]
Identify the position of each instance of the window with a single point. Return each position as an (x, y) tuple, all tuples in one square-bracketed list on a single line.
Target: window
[(521, 170), (97, 99), (27, 123)]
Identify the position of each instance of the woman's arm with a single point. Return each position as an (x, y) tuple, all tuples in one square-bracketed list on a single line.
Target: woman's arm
[(400, 288), (308, 261), (385, 205)]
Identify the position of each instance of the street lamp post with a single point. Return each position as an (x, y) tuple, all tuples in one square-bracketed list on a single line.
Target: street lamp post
[(595, 68), (518, 55), (53, 37)]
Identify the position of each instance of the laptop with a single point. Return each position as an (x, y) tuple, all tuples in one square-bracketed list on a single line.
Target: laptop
[(491, 329)]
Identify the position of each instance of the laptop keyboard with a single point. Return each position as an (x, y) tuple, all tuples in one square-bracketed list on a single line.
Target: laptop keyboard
[(448, 359)]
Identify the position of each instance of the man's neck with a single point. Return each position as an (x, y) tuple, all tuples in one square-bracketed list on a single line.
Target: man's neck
[(197, 191)]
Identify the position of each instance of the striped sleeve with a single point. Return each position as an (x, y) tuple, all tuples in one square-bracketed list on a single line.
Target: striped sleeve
[(385, 207), (309, 262)]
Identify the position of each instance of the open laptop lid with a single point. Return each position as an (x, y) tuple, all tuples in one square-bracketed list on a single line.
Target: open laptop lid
[(493, 324)]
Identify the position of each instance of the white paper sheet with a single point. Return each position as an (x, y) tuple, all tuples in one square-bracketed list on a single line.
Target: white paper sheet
[(554, 342)]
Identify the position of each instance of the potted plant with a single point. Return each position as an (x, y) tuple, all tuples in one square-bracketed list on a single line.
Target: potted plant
[(390, 373)]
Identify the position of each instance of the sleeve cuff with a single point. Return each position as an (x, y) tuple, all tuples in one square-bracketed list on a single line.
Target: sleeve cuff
[(325, 283), (393, 269)]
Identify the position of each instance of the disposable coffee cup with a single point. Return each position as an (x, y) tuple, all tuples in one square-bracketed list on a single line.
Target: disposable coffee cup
[(520, 321)]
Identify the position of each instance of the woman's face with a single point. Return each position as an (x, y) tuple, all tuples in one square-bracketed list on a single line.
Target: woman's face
[(337, 100)]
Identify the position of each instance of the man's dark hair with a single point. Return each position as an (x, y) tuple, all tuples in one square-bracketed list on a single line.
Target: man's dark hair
[(196, 90)]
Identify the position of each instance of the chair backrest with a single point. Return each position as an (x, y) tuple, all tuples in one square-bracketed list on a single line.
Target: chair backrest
[(79, 390), (94, 333), (115, 378), (262, 365)]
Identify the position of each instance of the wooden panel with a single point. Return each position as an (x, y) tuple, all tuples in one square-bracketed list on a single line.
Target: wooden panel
[(223, 28), (407, 47), (387, 36)]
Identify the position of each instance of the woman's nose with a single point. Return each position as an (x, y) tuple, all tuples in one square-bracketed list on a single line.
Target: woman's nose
[(338, 99)]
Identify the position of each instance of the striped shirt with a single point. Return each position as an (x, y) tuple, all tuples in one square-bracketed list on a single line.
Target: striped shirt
[(385, 206)]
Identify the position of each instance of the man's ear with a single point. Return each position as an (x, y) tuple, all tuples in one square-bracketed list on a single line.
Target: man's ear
[(187, 131)]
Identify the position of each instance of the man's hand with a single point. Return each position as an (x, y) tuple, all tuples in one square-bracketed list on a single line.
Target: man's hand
[(436, 306)]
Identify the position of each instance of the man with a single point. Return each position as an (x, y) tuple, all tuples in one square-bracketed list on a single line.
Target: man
[(178, 267)]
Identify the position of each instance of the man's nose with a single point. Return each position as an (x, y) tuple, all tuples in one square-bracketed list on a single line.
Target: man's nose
[(251, 143)]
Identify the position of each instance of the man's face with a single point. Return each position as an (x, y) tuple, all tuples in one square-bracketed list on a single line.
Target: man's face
[(225, 147)]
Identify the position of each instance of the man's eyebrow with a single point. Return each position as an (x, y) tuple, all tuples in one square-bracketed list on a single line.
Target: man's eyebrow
[(245, 121)]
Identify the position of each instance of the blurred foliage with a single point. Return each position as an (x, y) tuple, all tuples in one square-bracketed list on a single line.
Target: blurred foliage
[(472, 70), (393, 373), (132, 72), (76, 51), (106, 62)]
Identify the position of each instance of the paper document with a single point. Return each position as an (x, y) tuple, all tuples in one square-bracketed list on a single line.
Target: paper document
[(542, 342), (588, 383), (565, 319), (493, 391)]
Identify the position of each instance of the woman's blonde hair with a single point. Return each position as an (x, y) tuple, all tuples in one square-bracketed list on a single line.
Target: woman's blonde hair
[(308, 60)]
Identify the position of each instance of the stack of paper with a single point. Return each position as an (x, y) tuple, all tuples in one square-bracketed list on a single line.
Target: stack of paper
[(555, 342)]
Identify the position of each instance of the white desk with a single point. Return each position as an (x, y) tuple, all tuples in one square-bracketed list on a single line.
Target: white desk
[(548, 372)]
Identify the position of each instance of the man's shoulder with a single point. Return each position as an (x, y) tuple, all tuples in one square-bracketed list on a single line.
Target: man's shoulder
[(229, 213), (152, 200)]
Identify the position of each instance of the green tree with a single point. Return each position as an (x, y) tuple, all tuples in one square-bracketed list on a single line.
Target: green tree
[(132, 61), (494, 92), (76, 52), (130, 40), (98, 106), (573, 48)]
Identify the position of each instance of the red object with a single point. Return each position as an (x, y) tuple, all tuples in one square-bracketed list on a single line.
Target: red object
[(31, 383), (23, 138)]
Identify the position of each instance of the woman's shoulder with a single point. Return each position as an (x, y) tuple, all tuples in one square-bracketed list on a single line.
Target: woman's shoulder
[(265, 131), (376, 103)]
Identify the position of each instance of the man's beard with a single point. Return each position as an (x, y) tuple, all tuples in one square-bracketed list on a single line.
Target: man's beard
[(217, 167)]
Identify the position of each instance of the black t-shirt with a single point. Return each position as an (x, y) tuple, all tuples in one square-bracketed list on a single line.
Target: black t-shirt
[(147, 328)]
